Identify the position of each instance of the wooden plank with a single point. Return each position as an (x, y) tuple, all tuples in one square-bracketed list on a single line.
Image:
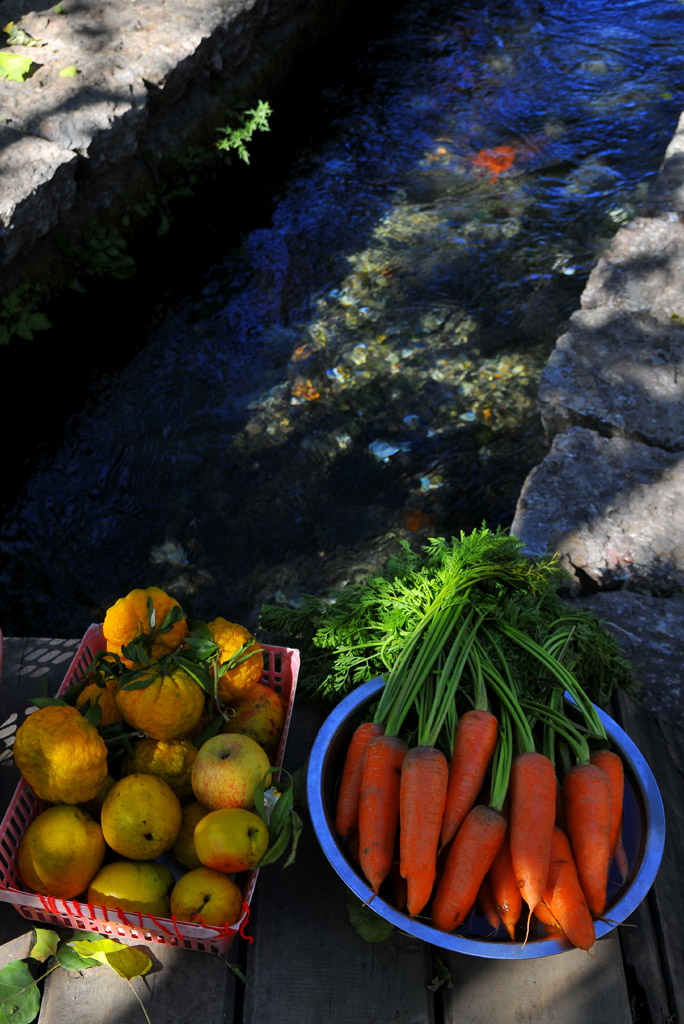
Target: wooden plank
[(307, 965), (657, 941), (562, 989), (183, 988), (644, 968)]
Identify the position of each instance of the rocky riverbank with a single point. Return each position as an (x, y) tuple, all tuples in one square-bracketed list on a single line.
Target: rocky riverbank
[(113, 92), (609, 496)]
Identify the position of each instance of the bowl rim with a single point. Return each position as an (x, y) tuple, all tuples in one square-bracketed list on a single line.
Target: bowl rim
[(627, 901)]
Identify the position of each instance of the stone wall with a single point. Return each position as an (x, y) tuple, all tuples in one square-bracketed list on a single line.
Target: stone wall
[(609, 496), (153, 76)]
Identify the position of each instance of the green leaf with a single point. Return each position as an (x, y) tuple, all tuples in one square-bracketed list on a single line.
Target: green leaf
[(441, 973), (196, 672), (95, 948), (18, 37), (282, 809), (365, 922), (174, 615), (70, 960), (14, 66), (238, 972), (200, 630), (71, 71), (92, 713), (19, 995), (297, 827), (45, 945), (210, 729), (129, 962), (277, 849), (46, 702)]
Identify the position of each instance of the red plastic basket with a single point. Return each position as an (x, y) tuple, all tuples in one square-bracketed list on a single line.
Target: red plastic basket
[(281, 668)]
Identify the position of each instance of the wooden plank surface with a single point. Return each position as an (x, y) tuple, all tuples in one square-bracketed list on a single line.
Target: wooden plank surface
[(183, 987), (568, 988), (653, 947), (308, 965)]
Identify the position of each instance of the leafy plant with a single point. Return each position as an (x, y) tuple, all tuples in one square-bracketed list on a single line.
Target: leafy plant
[(103, 254), (19, 991), (254, 120), (19, 317), (275, 806), (355, 634)]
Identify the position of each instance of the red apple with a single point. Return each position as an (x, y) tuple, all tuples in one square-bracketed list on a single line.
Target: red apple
[(227, 770)]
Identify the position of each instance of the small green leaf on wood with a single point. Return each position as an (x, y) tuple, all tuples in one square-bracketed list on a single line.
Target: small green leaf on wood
[(129, 962), (96, 949), (365, 922), (70, 960), (14, 66), (69, 72), (19, 995), (45, 945), (441, 973), (238, 972)]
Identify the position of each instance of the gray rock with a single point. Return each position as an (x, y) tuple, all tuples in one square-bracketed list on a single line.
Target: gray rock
[(642, 268), (611, 508), (153, 79), (43, 188), (650, 631), (619, 373), (666, 192)]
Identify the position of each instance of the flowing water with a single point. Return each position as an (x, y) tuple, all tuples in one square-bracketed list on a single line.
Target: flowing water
[(361, 364)]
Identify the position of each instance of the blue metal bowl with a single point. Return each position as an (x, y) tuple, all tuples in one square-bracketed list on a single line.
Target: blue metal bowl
[(643, 838)]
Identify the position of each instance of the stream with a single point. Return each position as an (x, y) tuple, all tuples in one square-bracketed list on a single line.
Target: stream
[(358, 364)]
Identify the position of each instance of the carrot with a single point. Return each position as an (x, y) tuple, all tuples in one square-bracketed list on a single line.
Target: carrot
[(398, 884), (474, 743), (614, 769), (543, 914), (560, 806), (586, 793), (564, 896), (486, 904), (532, 816), (379, 807), (424, 777), (621, 862), (472, 851), (347, 809), (507, 895)]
